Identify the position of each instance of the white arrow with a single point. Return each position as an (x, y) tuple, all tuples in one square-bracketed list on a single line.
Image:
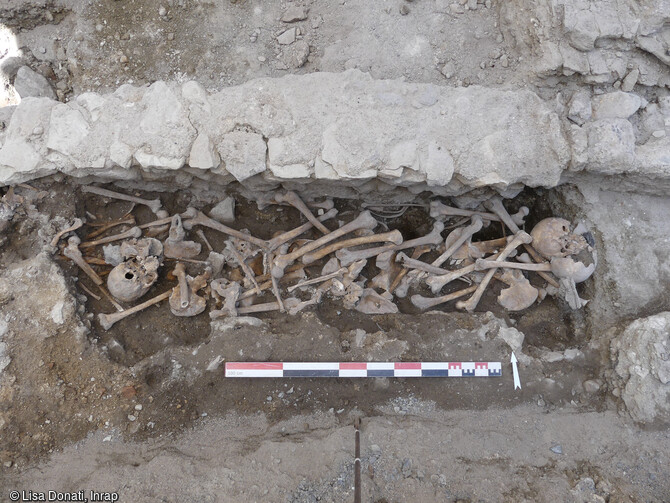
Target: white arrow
[(515, 371)]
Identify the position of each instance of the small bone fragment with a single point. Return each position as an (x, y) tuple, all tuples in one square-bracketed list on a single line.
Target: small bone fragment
[(75, 225), (363, 221), (193, 217), (153, 204), (469, 305), (424, 303), (175, 246), (495, 204), (520, 295), (72, 252), (372, 303), (245, 267), (292, 198), (340, 272), (287, 236), (394, 237), (133, 232), (434, 237), (102, 228), (438, 209), (107, 320)]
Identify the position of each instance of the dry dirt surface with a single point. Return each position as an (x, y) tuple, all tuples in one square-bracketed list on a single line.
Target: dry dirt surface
[(143, 410)]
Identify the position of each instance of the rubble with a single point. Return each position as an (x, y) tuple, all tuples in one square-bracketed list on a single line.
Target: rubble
[(642, 368)]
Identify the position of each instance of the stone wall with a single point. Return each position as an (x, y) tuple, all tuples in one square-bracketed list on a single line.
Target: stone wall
[(345, 127)]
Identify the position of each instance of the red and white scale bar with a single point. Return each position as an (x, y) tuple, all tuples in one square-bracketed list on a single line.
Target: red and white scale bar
[(363, 369)]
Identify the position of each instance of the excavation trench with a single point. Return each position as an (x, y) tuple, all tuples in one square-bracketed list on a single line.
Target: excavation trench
[(177, 362)]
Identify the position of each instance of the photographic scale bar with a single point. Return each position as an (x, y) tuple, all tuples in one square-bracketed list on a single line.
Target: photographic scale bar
[(363, 369)]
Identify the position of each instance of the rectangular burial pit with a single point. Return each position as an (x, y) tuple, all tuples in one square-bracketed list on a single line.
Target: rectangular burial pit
[(181, 356)]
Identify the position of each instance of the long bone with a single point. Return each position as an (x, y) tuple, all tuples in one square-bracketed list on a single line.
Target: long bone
[(394, 237), (73, 252), (419, 265), (294, 306), (434, 237), (469, 305), (483, 264), (424, 303), (495, 204), (133, 232), (287, 236), (438, 209), (153, 204), (363, 221), (78, 222), (294, 200), (194, 217), (107, 320), (436, 283)]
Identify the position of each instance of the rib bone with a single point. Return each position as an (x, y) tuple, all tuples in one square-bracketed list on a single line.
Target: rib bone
[(75, 225), (394, 237), (72, 252), (520, 238), (107, 320), (320, 279), (153, 204), (424, 303), (437, 209), (101, 229), (434, 237), (133, 232), (195, 217), (292, 198), (363, 221)]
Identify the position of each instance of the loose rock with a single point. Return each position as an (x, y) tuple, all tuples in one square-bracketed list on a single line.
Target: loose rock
[(29, 83)]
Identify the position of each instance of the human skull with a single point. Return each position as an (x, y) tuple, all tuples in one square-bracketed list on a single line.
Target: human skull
[(131, 279), (552, 238)]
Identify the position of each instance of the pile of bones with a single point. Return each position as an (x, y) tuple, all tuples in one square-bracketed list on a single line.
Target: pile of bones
[(236, 277)]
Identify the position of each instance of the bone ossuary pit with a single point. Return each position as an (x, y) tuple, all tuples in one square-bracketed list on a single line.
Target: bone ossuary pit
[(361, 264)]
